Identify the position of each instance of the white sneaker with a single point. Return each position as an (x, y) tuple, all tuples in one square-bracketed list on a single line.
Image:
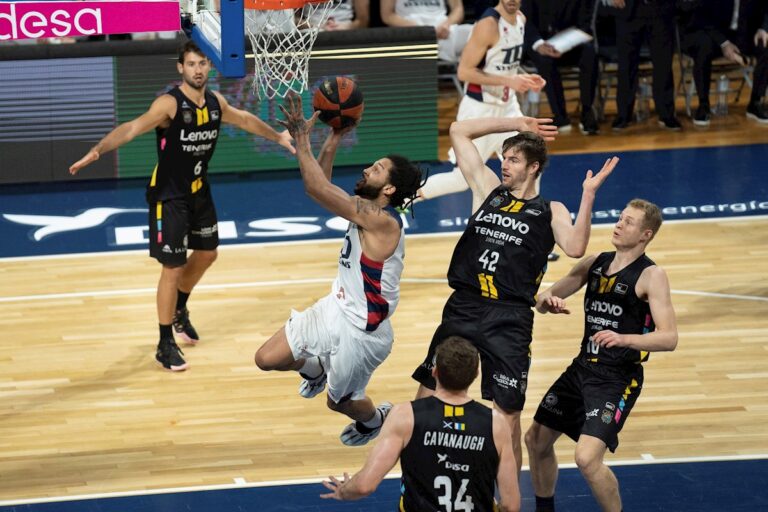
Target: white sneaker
[(311, 387), (357, 434)]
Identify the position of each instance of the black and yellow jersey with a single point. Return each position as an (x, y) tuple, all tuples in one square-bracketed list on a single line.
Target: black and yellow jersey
[(451, 461), (611, 303), (185, 147), (502, 254)]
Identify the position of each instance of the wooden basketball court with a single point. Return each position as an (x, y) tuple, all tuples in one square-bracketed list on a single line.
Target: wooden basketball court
[(84, 409)]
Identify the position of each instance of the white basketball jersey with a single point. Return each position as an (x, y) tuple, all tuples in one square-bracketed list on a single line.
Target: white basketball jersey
[(368, 291), (503, 58), (423, 12)]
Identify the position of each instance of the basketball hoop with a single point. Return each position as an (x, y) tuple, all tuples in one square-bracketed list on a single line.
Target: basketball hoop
[(282, 36)]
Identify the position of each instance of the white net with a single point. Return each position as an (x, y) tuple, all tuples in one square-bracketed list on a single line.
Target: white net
[(282, 43)]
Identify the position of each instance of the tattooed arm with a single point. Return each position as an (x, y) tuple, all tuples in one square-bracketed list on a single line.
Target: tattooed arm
[(316, 179)]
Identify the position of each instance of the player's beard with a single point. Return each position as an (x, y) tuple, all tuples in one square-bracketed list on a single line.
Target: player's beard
[(191, 82), (367, 191)]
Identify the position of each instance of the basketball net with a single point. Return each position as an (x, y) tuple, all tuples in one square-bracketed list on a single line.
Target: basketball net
[(282, 40)]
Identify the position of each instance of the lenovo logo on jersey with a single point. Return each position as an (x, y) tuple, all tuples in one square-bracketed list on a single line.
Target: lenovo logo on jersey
[(605, 307), (503, 221), (197, 136)]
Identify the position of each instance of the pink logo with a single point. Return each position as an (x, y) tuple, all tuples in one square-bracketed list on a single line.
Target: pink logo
[(29, 20)]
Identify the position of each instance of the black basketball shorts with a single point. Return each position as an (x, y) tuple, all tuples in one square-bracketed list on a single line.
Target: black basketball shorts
[(502, 335), (592, 400), (176, 225)]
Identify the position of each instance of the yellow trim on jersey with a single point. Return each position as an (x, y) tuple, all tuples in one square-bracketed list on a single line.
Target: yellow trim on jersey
[(452, 411), (487, 289), (154, 176), (402, 507), (197, 185), (202, 116), (159, 210), (606, 284), (513, 207)]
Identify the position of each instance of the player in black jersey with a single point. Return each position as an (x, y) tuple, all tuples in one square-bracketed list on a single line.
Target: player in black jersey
[(501, 257), (628, 313), (182, 215), (452, 449)]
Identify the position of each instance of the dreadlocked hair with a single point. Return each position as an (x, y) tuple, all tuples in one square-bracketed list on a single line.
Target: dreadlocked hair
[(405, 176)]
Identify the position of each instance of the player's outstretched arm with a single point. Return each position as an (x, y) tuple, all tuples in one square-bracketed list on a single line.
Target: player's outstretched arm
[(252, 124), (481, 179), (506, 476), (573, 238), (395, 434), (360, 211), (161, 110), (654, 285), (553, 299), (328, 152)]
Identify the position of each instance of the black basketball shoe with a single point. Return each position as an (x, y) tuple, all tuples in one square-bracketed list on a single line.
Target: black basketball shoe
[(169, 356), (183, 327)]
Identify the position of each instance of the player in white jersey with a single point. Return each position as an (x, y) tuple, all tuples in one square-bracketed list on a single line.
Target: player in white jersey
[(489, 68), (451, 34), (346, 335)]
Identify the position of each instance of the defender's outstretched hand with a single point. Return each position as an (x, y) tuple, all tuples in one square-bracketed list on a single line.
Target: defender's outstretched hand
[(88, 159), (542, 127), (295, 122), (593, 181), (334, 484)]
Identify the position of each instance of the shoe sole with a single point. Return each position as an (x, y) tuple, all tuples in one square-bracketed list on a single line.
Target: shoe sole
[(588, 132), (182, 368), (700, 123), (755, 118), (677, 129), (315, 393), (186, 339), (564, 129)]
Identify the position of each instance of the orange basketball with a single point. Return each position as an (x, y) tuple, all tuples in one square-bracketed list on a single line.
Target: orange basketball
[(339, 101)]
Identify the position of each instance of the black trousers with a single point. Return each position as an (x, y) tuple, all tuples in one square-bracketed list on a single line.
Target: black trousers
[(703, 49), (658, 31), (585, 58)]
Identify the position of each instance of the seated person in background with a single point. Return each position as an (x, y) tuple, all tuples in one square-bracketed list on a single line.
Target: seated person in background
[(731, 28), (545, 18), (345, 15), (451, 36)]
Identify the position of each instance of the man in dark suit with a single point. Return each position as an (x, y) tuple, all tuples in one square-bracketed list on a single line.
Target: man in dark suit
[(638, 21), (544, 19), (733, 29)]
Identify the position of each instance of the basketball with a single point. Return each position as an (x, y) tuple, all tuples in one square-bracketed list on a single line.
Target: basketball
[(339, 101)]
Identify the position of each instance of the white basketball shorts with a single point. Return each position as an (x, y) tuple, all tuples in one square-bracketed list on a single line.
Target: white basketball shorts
[(349, 355)]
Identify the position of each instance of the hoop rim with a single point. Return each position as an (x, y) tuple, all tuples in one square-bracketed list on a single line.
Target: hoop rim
[(278, 5)]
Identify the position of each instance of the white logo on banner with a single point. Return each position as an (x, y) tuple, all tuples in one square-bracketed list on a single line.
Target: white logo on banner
[(60, 224)]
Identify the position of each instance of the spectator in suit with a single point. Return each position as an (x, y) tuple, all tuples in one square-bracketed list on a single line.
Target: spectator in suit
[(733, 29), (638, 21), (545, 18)]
